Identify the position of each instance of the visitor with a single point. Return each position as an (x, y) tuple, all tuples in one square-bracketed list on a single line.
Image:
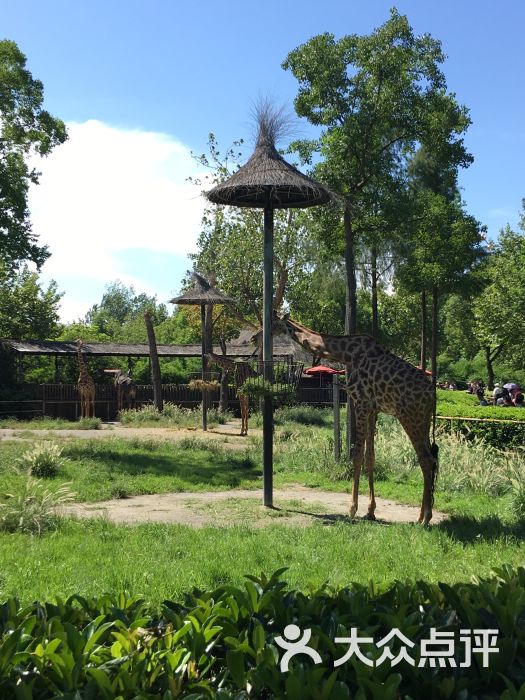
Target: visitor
[(518, 400), (481, 396), (498, 390), (504, 398)]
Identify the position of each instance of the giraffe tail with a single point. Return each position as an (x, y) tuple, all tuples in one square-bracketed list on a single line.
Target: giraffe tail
[(434, 450)]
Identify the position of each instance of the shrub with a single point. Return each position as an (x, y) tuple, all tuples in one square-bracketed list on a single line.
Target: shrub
[(215, 416), (500, 434), (144, 414), (88, 424), (257, 388), (517, 480), (42, 460), (223, 643), (306, 415), (34, 509)]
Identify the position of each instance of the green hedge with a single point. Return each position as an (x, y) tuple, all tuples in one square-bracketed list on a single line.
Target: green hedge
[(502, 435), (221, 644)]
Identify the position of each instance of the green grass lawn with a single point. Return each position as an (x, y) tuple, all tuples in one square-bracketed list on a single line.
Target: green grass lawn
[(161, 561), (461, 404)]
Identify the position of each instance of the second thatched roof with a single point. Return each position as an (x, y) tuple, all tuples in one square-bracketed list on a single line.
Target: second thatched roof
[(202, 293), (266, 178)]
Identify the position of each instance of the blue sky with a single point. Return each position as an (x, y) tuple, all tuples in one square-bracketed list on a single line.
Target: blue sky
[(143, 83)]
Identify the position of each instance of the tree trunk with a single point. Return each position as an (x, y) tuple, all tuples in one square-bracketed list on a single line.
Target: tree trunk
[(490, 369), (490, 357), (375, 310), (350, 320), (155, 365), (435, 298), (423, 360)]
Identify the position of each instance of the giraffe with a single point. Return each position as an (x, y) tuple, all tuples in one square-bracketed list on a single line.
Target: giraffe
[(126, 391), (241, 372), (378, 381), (85, 385)]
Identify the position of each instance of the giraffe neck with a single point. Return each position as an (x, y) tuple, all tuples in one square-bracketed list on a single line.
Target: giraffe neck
[(333, 347), (222, 361), (82, 364)]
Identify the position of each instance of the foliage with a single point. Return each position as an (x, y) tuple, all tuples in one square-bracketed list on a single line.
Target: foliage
[(517, 477), (33, 508), (27, 310), (230, 246), (499, 308), (120, 313), (26, 130), (87, 424), (257, 388), (460, 413), (44, 423), (172, 415), (458, 329), (42, 460), (503, 435), (222, 643), (376, 98)]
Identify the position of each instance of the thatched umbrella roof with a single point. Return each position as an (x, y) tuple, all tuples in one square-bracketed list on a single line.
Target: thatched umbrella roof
[(202, 293), (267, 174)]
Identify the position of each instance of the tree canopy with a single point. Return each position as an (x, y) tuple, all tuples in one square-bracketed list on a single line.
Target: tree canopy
[(376, 98), (26, 130), (27, 310)]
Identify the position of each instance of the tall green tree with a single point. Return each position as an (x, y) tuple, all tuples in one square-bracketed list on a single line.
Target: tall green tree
[(500, 320), (120, 313), (442, 245), (27, 309), (26, 129), (375, 98)]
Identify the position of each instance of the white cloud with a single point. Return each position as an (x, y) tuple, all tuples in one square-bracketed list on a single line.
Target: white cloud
[(108, 190)]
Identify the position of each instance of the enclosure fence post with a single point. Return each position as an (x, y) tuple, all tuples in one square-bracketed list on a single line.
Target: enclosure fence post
[(204, 368), (268, 356)]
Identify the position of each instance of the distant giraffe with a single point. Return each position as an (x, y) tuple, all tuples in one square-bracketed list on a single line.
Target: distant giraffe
[(378, 381), (85, 385), (126, 390), (241, 372)]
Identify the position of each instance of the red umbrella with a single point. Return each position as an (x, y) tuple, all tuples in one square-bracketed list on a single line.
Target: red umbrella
[(319, 369)]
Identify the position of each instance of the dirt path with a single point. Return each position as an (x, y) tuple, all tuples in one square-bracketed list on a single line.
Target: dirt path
[(229, 433), (295, 505)]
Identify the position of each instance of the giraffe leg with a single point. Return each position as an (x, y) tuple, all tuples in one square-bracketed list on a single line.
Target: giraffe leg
[(427, 462), (370, 461), (359, 448)]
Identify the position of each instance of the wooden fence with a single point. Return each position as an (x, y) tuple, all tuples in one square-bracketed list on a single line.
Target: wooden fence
[(62, 400)]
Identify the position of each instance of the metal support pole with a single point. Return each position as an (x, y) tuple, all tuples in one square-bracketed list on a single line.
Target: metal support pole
[(337, 418), (204, 366), (268, 355)]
